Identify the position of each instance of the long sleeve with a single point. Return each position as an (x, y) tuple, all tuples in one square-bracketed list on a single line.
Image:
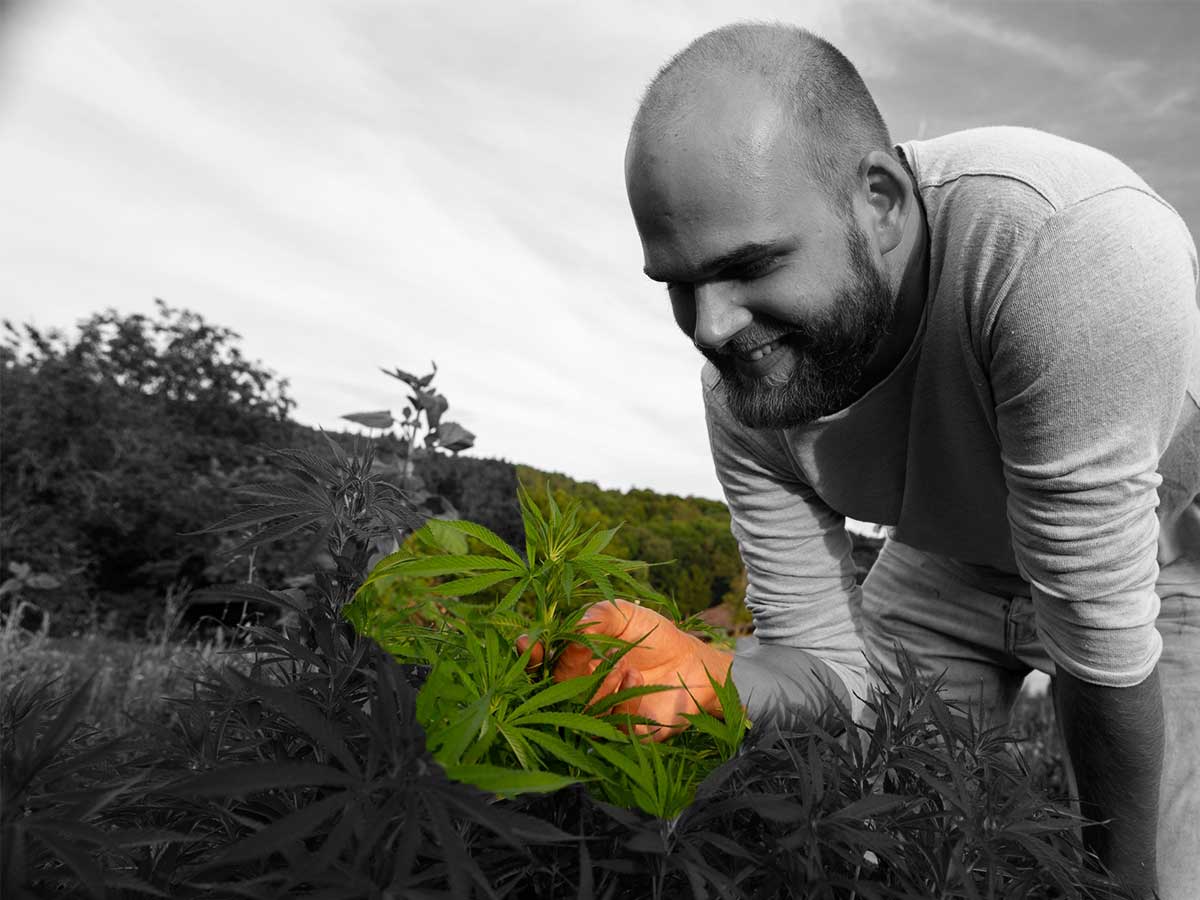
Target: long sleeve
[(1090, 349), (801, 588)]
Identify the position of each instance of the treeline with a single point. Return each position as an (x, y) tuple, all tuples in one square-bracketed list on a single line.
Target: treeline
[(124, 440)]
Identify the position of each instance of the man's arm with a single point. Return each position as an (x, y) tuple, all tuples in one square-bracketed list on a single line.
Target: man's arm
[(1088, 358), (1115, 739), (801, 587)]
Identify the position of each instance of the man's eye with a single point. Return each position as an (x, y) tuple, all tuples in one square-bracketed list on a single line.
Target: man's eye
[(756, 269)]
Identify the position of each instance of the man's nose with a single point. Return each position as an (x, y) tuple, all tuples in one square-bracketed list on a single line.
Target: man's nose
[(719, 316)]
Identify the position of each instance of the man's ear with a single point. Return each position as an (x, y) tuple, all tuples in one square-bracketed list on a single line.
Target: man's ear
[(888, 195)]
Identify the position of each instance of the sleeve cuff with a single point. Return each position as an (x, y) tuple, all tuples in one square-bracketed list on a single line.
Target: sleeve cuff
[(787, 687), (1110, 644)]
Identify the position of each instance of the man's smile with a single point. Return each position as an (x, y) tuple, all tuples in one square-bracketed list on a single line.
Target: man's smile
[(762, 359), (762, 350)]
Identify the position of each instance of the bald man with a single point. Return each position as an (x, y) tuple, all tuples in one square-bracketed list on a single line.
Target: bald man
[(988, 341)]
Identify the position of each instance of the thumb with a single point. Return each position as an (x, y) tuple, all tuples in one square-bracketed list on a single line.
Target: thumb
[(535, 655)]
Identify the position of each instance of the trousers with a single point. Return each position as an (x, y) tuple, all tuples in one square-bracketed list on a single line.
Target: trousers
[(975, 628)]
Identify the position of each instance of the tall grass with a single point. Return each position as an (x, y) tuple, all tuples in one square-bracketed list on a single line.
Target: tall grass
[(131, 674)]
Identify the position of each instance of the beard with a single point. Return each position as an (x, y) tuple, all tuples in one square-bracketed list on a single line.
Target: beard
[(829, 352)]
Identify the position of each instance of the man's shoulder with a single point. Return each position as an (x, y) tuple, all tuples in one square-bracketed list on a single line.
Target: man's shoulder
[(985, 162)]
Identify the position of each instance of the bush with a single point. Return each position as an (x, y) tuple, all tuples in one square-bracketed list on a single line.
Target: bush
[(120, 440)]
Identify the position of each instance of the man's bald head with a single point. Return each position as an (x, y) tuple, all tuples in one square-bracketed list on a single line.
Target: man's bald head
[(828, 109)]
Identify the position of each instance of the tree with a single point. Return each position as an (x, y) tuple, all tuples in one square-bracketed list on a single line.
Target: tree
[(121, 438)]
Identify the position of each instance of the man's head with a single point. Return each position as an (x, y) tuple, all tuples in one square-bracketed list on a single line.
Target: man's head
[(767, 195)]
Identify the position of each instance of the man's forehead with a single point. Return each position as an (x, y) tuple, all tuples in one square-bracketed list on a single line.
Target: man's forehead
[(695, 167), (733, 122)]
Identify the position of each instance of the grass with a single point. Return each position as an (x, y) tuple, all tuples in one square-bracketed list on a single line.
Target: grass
[(132, 676)]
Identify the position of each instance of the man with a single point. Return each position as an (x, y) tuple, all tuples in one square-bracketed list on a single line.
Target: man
[(989, 341)]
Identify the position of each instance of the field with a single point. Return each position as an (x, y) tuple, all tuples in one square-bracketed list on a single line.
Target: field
[(719, 845)]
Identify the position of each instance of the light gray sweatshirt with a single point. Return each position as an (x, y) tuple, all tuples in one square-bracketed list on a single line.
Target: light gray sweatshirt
[(1044, 422)]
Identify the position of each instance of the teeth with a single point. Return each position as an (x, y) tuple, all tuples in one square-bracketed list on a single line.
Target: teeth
[(767, 350)]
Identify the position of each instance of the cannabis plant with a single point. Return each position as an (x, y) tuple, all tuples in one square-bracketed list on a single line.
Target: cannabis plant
[(455, 601), (58, 777), (314, 767)]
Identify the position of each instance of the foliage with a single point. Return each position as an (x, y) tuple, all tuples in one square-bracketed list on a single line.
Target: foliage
[(480, 490), (689, 532), (305, 772), (117, 441), (424, 419), (49, 805), (345, 503), (487, 719)]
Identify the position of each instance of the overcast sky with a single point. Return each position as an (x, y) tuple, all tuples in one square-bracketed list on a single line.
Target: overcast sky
[(361, 183)]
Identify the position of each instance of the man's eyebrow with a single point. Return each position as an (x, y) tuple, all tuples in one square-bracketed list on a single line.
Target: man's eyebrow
[(751, 251)]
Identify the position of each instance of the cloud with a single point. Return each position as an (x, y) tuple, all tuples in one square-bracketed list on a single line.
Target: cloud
[(355, 185)]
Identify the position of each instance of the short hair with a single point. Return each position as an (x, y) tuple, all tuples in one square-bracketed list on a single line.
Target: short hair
[(832, 112)]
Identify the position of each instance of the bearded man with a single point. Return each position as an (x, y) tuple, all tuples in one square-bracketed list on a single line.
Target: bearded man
[(988, 341)]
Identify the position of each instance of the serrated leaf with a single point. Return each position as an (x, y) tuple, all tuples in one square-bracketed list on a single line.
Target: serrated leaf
[(615, 756), (485, 536), (316, 467), (871, 805), (306, 715), (599, 541), (518, 742), (575, 721), (448, 743), (603, 706), (564, 752), (240, 593), (508, 782), (272, 534), (297, 826), (709, 725), (464, 587), (598, 577), (431, 566), (89, 873), (238, 781), (558, 693), (458, 859)]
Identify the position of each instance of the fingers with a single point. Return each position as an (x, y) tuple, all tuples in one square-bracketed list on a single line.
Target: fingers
[(611, 684), (630, 678), (646, 707), (535, 655), (605, 617), (575, 660)]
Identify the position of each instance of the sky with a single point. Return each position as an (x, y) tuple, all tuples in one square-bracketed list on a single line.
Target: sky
[(357, 184)]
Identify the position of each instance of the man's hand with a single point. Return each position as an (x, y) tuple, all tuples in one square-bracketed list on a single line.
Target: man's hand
[(666, 656)]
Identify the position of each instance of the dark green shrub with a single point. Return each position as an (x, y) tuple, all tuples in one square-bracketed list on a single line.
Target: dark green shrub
[(120, 439)]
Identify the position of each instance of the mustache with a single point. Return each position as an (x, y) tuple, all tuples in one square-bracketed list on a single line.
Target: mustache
[(764, 331), (757, 336)]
